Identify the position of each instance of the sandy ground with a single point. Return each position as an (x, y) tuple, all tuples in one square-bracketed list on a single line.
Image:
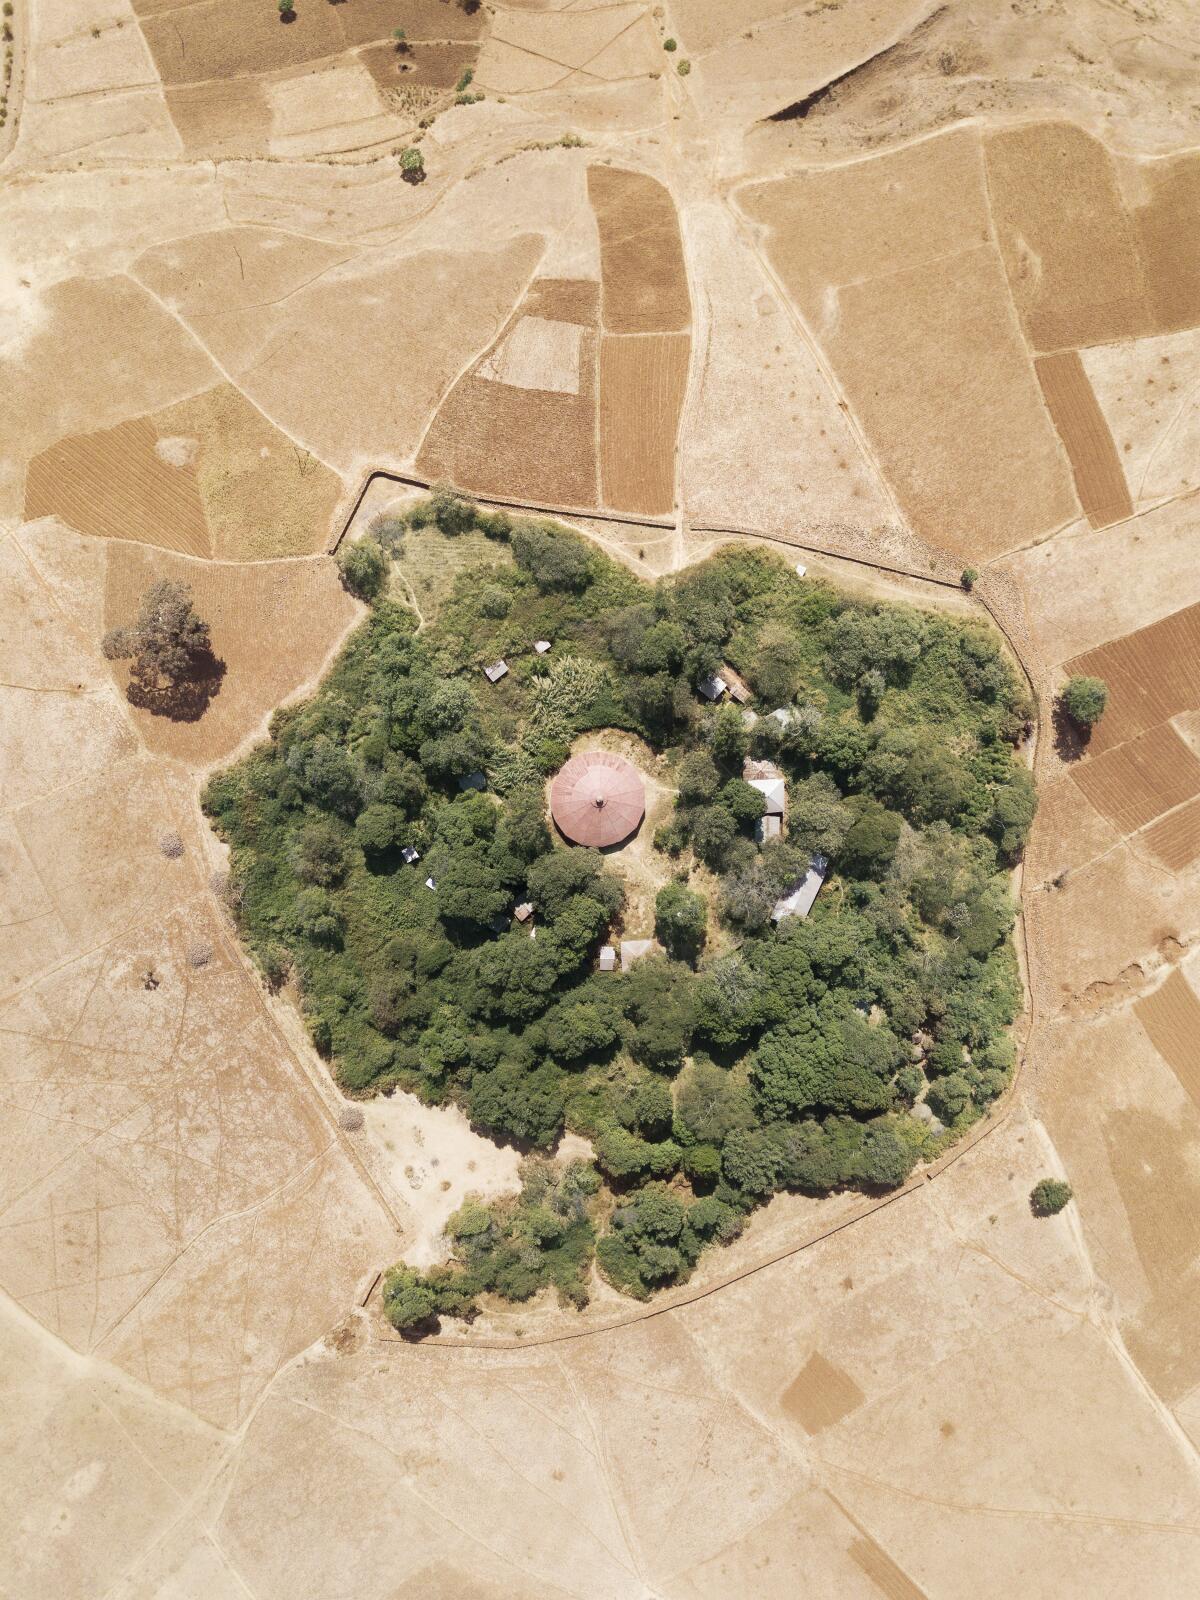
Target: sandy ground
[(207, 251)]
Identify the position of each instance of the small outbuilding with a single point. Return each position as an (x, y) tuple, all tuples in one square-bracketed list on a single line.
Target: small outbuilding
[(768, 826), (409, 855), (524, 911), (739, 689), (798, 902), (541, 646), (801, 569), (430, 884), (608, 959), (712, 687), (496, 671), (783, 715)]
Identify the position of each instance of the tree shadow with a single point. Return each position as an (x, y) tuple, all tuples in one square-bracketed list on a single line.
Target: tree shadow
[(1070, 739), (184, 701)]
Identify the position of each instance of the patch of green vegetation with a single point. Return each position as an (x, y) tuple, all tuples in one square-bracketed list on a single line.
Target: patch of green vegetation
[(1048, 1197), (1084, 700), (790, 1057)]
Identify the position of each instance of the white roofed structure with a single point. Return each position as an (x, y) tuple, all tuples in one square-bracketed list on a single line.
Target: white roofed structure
[(798, 902)]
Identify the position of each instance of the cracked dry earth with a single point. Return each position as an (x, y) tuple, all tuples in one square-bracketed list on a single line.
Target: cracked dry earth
[(945, 317)]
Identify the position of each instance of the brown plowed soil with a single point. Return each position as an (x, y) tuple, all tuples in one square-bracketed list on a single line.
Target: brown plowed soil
[(641, 256), (1151, 675), (1139, 780), (642, 384), (227, 118), (114, 485), (1175, 840), (820, 1395), (1171, 1017), (1099, 479), (194, 42), (524, 444), (422, 66)]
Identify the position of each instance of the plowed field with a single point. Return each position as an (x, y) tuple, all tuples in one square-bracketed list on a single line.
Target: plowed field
[(1175, 840), (1152, 674), (821, 1394), (891, 1581), (642, 384), (1139, 780), (113, 484), (641, 256), (1099, 479), (1171, 1017), (1169, 230)]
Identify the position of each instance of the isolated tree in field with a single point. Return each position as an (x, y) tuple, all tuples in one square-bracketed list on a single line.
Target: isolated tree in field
[(412, 165), (170, 648), (1084, 700), (286, 10), (1048, 1197)]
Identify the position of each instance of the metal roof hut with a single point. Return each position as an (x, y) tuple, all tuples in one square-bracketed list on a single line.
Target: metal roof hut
[(597, 799), (496, 671), (608, 959), (739, 689), (712, 687)]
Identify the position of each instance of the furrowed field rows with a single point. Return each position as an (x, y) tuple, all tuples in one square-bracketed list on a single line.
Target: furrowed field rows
[(1171, 1018), (1139, 780), (1152, 675)]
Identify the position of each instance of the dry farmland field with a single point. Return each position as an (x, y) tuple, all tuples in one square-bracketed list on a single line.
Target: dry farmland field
[(896, 292)]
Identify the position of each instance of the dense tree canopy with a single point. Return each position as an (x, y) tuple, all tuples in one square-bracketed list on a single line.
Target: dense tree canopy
[(748, 1056)]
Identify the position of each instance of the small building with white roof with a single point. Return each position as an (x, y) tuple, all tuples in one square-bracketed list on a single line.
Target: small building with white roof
[(496, 671), (799, 900)]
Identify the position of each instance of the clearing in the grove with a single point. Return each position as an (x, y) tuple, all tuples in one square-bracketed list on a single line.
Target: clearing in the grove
[(586, 1009)]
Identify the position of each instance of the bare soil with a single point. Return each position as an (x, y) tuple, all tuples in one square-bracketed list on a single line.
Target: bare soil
[(642, 383), (1099, 480), (642, 271)]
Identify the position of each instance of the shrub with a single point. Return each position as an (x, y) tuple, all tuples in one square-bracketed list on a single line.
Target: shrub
[(684, 68), (1048, 1197), (412, 165), (969, 578), (670, 44), (680, 921), (364, 566)]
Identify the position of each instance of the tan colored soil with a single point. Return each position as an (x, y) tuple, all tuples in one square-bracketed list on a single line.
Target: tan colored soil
[(382, 374), (644, 280), (891, 1580), (97, 351), (252, 611), (766, 442), (115, 485), (956, 419), (820, 1394), (228, 270), (1099, 480), (1069, 247), (263, 495), (642, 383), (499, 436), (1148, 390), (225, 118)]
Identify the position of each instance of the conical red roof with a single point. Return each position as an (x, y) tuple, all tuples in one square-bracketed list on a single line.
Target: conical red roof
[(597, 799)]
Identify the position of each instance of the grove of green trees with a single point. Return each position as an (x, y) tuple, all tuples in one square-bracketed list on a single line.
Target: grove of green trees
[(749, 1057)]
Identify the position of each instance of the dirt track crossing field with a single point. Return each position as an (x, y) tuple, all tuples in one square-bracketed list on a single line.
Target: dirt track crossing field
[(642, 384), (1099, 479)]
